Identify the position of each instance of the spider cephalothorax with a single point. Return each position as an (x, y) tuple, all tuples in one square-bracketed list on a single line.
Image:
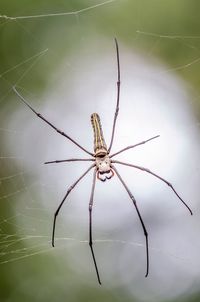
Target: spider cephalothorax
[(103, 166), (104, 170)]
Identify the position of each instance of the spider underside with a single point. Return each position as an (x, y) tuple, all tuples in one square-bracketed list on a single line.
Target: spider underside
[(103, 166)]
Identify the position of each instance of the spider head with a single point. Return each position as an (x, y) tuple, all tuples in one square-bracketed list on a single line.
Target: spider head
[(104, 170)]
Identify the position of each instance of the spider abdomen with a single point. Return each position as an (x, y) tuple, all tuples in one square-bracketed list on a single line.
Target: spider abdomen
[(100, 148)]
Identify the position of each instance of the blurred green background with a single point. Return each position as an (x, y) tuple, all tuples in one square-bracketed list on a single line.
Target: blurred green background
[(167, 31)]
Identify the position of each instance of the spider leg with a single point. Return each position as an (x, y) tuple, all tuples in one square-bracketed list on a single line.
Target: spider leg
[(68, 160), (157, 176), (90, 226), (133, 146), (118, 94), (50, 124), (63, 200), (140, 217)]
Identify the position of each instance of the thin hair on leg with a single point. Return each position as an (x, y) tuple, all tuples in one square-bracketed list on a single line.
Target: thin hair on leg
[(157, 176), (68, 160), (140, 217), (118, 95), (49, 123), (63, 200), (90, 226), (133, 146)]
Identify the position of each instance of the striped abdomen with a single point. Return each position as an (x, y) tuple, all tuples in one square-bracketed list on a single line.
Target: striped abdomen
[(100, 148)]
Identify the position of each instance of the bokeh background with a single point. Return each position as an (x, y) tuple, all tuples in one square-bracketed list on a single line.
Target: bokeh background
[(61, 56)]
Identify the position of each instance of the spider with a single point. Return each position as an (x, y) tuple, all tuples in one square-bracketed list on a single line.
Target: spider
[(103, 165)]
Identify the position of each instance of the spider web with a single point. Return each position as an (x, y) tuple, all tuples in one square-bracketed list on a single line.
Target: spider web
[(64, 64)]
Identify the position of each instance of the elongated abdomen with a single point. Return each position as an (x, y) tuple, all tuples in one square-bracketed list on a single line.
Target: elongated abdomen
[(100, 148)]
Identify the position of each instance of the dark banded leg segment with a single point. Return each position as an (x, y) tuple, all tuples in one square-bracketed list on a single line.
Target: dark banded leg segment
[(68, 160), (157, 176), (90, 226), (62, 202), (140, 217), (118, 95), (49, 123), (133, 146)]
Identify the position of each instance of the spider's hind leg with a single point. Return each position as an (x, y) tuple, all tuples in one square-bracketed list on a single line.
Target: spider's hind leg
[(157, 176), (90, 225), (140, 217), (63, 200)]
